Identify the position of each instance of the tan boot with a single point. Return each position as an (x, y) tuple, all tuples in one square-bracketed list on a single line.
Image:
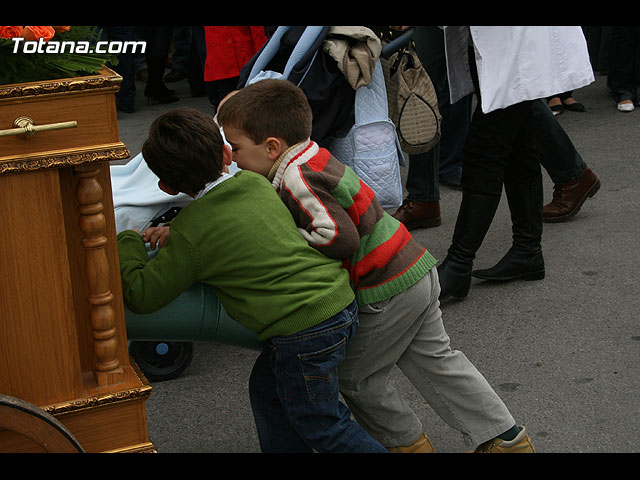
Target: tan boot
[(422, 445), (520, 444)]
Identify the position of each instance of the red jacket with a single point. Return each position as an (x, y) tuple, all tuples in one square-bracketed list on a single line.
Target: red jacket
[(229, 48)]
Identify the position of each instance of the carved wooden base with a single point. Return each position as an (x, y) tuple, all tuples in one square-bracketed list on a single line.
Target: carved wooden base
[(113, 422)]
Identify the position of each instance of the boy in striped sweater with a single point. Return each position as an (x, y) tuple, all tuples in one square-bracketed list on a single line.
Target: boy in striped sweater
[(268, 125)]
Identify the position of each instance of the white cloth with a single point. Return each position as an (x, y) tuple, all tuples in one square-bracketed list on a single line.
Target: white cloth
[(517, 63)]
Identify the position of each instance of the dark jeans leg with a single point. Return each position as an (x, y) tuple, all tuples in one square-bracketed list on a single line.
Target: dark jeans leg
[(556, 151), (275, 431), (455, 128), (301, 371), (423, 170)]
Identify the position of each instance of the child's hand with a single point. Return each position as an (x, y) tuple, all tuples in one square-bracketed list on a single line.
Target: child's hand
[(155, 236)]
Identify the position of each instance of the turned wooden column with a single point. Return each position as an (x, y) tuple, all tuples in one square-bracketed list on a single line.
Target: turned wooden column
[(101, 316), (63, 342)]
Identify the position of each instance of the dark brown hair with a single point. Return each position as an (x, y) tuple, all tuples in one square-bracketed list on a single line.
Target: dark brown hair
[(184, 149), (269, 108)]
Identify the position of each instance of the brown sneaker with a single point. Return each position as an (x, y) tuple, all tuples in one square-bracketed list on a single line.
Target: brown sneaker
[(569, 197), (418, 214), (422, 445), (520, 444)]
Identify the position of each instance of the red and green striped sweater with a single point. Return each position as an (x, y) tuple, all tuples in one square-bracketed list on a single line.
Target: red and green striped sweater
[(339, 215)]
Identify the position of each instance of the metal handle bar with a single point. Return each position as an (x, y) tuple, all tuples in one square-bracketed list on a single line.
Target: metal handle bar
[(397, 43), (24, 125)]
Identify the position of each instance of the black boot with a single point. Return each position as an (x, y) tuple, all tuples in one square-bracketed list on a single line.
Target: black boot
[(524, 259), (474, 219)]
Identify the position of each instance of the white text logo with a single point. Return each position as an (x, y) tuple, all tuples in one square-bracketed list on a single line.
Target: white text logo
[(67, 46)]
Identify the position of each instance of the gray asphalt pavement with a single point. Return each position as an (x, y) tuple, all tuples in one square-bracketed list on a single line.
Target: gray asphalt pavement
[(563, 352)]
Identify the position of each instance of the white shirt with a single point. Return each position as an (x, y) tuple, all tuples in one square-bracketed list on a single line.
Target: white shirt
[(517, 63), (223, 176)]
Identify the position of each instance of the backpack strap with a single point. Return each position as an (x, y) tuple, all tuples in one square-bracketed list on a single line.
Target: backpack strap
[(305, 42), (371, 100), (268, 52), (307, 39)]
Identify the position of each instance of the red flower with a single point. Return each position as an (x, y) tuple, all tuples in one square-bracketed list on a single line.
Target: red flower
[(10, 32), (35, 33)]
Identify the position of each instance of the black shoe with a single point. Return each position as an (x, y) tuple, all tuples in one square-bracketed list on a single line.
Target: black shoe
[(514, 265), (574, 107)]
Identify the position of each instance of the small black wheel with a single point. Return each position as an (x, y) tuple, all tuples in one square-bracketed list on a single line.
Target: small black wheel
[(161, 360)]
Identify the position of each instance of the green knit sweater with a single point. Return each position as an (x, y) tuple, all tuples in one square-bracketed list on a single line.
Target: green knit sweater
[(240, 239)]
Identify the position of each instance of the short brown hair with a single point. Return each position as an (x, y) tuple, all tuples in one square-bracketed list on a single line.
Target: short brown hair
[(269, 108), (184, 149)]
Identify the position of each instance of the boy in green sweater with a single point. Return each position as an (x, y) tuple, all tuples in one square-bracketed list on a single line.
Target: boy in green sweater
[(238, 237), (268, 125)]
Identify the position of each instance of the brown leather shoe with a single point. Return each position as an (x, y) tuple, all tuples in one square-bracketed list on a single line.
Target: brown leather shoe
[(422, 445), (418, 214), (521, 444), (569, 197)]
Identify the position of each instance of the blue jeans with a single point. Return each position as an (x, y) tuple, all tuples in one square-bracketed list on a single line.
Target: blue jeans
[(294, 392)]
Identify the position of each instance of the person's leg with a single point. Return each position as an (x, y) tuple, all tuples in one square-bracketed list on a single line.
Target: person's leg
[(421, 207), (305, 367), (447, 380), (195, 62), (621, 65), (487, 152), (636, 65), (556, 152), (573, 181), (126, 95), (158, 40), (385, 331), (455, 128), (181, 53), (523, 187), (275, 432), (429, 41)]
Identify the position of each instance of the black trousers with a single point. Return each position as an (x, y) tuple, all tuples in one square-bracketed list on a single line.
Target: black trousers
[(500, 147)]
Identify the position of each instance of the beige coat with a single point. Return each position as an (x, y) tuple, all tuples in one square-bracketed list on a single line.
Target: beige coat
[(355, 60)]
